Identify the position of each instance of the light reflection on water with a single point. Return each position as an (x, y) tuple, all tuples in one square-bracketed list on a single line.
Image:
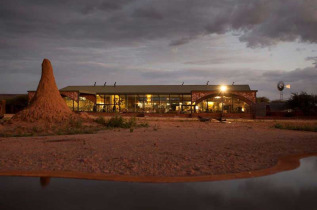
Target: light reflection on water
[(296, 189)]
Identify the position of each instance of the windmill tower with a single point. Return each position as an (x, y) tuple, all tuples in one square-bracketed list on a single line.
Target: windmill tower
[(280, 87)]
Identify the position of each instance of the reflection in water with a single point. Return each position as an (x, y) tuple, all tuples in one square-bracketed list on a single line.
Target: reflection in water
[(295, 189), (44, 181)]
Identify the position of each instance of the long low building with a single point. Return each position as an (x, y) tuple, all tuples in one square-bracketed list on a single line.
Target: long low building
[(177, 99)]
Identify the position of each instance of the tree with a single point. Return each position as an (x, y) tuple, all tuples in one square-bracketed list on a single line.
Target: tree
[(17, 103), (262, 99), (304, 102)]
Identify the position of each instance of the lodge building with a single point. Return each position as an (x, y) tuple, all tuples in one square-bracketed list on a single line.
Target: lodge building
[(160, 99)]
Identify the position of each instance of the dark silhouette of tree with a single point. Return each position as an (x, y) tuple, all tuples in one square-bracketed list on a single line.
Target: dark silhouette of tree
[(17, 103), (304, 102), (262, 99)]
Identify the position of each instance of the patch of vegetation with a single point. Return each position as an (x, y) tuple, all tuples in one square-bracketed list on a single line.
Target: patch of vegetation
[(116, 122), (131, 123), (262, 99), (18, 134), (74, 126), (71, 127), (119, 122), (297, 127), (73, 131), (100, 120), (5, 120), (75, 123), (143, 124), (304, 102), (16, 104)]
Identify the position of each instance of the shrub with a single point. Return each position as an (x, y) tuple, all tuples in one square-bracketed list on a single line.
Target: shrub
[(116, 122), (75, 123), (100, 120), (277, 125), (297, 127), (144, 124), (16, 104), (131, 122)]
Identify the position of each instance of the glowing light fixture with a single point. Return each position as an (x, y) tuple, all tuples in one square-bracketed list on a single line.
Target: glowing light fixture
[(148, 98), (223, 88)]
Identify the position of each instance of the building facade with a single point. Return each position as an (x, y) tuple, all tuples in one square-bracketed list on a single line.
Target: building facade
[(160, 99)]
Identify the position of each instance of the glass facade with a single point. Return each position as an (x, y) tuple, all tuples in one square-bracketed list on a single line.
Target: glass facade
[(147, 103), (165, 103), (131, 103), (72, 104), (140, 103), (231, 104), (85, 105)]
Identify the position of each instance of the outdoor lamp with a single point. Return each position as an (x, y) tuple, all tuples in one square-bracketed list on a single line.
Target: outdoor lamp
[(223, 88)]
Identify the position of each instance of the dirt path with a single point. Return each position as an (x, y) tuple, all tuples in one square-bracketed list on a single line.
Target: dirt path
[(188, 148)]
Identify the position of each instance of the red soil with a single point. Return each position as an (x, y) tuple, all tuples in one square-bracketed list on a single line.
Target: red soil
[(173, 149)]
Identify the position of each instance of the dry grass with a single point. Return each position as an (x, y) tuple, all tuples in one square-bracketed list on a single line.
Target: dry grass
[(297, 126), (70, 127), (119, 122), (9, 128)]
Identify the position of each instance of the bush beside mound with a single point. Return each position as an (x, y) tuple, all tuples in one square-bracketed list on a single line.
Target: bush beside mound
[(119, 122)]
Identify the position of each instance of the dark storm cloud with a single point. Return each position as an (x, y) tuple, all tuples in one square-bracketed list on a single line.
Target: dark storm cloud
[(259, 23), (308, 74), (74, 31), (285, 21), (148, 13), (107, 5), (181, 41), (224, 59)]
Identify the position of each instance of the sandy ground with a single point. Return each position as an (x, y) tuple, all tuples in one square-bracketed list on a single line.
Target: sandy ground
[(166, 148)]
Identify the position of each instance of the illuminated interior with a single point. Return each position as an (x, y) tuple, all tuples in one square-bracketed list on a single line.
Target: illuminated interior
[(231, 104), (167, 103), (85, 104), (70, 103)]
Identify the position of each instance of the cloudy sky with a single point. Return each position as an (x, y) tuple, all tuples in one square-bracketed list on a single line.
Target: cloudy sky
[(255, 42)]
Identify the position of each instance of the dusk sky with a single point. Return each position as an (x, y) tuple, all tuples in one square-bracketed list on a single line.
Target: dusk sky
[(255, 42)]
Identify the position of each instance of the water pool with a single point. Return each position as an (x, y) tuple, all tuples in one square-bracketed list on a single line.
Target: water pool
[(296, 189)]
